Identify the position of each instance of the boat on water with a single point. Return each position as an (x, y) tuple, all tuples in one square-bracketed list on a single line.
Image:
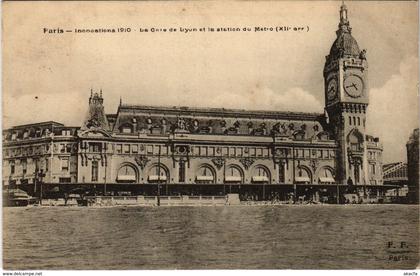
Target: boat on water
[(17, 197)]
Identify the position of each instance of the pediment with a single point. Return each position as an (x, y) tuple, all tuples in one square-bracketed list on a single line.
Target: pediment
[(94, 133)]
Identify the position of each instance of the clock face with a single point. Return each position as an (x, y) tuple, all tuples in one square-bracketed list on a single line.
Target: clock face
[(332, 89), (353, 85)]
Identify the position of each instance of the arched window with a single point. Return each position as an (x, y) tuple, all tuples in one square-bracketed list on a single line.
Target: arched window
[(94, 172), (126, 128), (282, 173), (260, 174), (127, 174), (355, 140), (303, 175), (158, 173), (205, 175), (326, 176), (233, 175)]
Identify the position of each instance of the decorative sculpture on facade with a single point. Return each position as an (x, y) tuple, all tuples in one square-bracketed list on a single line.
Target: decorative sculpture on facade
[(182, 125), (246, 162), (218, 162), (141, 160), (314, 164)]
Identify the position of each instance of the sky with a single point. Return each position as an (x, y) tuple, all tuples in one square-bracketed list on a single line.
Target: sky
[(49, 76)]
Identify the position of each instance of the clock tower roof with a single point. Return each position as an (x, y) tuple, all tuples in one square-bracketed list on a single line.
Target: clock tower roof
[(345, 45)]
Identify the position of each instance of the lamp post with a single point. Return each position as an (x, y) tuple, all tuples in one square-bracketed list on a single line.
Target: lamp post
[(158, 194), (41, 175)]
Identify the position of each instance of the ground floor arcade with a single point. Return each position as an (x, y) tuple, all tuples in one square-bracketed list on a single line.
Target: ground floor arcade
[(286, 193)]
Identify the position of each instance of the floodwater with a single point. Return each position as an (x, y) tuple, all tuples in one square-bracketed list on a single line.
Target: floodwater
[(258, 237)]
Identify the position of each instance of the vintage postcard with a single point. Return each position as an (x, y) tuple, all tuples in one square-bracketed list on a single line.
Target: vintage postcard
[(145, 135)]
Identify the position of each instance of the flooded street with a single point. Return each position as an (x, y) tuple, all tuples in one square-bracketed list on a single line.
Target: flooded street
[(259, 237)]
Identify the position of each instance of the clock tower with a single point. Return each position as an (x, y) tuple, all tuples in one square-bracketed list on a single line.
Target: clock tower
[(346, 101)]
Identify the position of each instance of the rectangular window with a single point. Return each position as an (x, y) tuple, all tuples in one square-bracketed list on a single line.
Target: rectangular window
[(265, 152), (64, 164), (259, 152), (232, 151), (64, 180), (281, 173), (36, 162), (12, 167), (181, 171), (211, 151), (135, 148), (355, 146), (95, 147), (94, 171), (149, 149), (373, 169), (126, 148), (24, 166), (238, 151), (225, 151), (119, 148), (252, 152), (47, 164), (157, 150), (164, 150)]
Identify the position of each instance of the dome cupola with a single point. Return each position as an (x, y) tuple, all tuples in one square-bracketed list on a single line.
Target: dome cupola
[(345, 45)]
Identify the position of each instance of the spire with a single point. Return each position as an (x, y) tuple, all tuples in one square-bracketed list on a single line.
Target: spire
[(344, 45), (344, 25), (120, 100), (343, 13), (100, 93)]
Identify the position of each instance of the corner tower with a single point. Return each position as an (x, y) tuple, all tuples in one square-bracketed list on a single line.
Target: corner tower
[(346, 101)]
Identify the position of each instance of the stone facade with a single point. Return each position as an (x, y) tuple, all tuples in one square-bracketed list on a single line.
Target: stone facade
[(181, 145)]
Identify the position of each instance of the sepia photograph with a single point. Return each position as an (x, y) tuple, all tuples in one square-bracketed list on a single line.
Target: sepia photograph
[(203, 135)]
